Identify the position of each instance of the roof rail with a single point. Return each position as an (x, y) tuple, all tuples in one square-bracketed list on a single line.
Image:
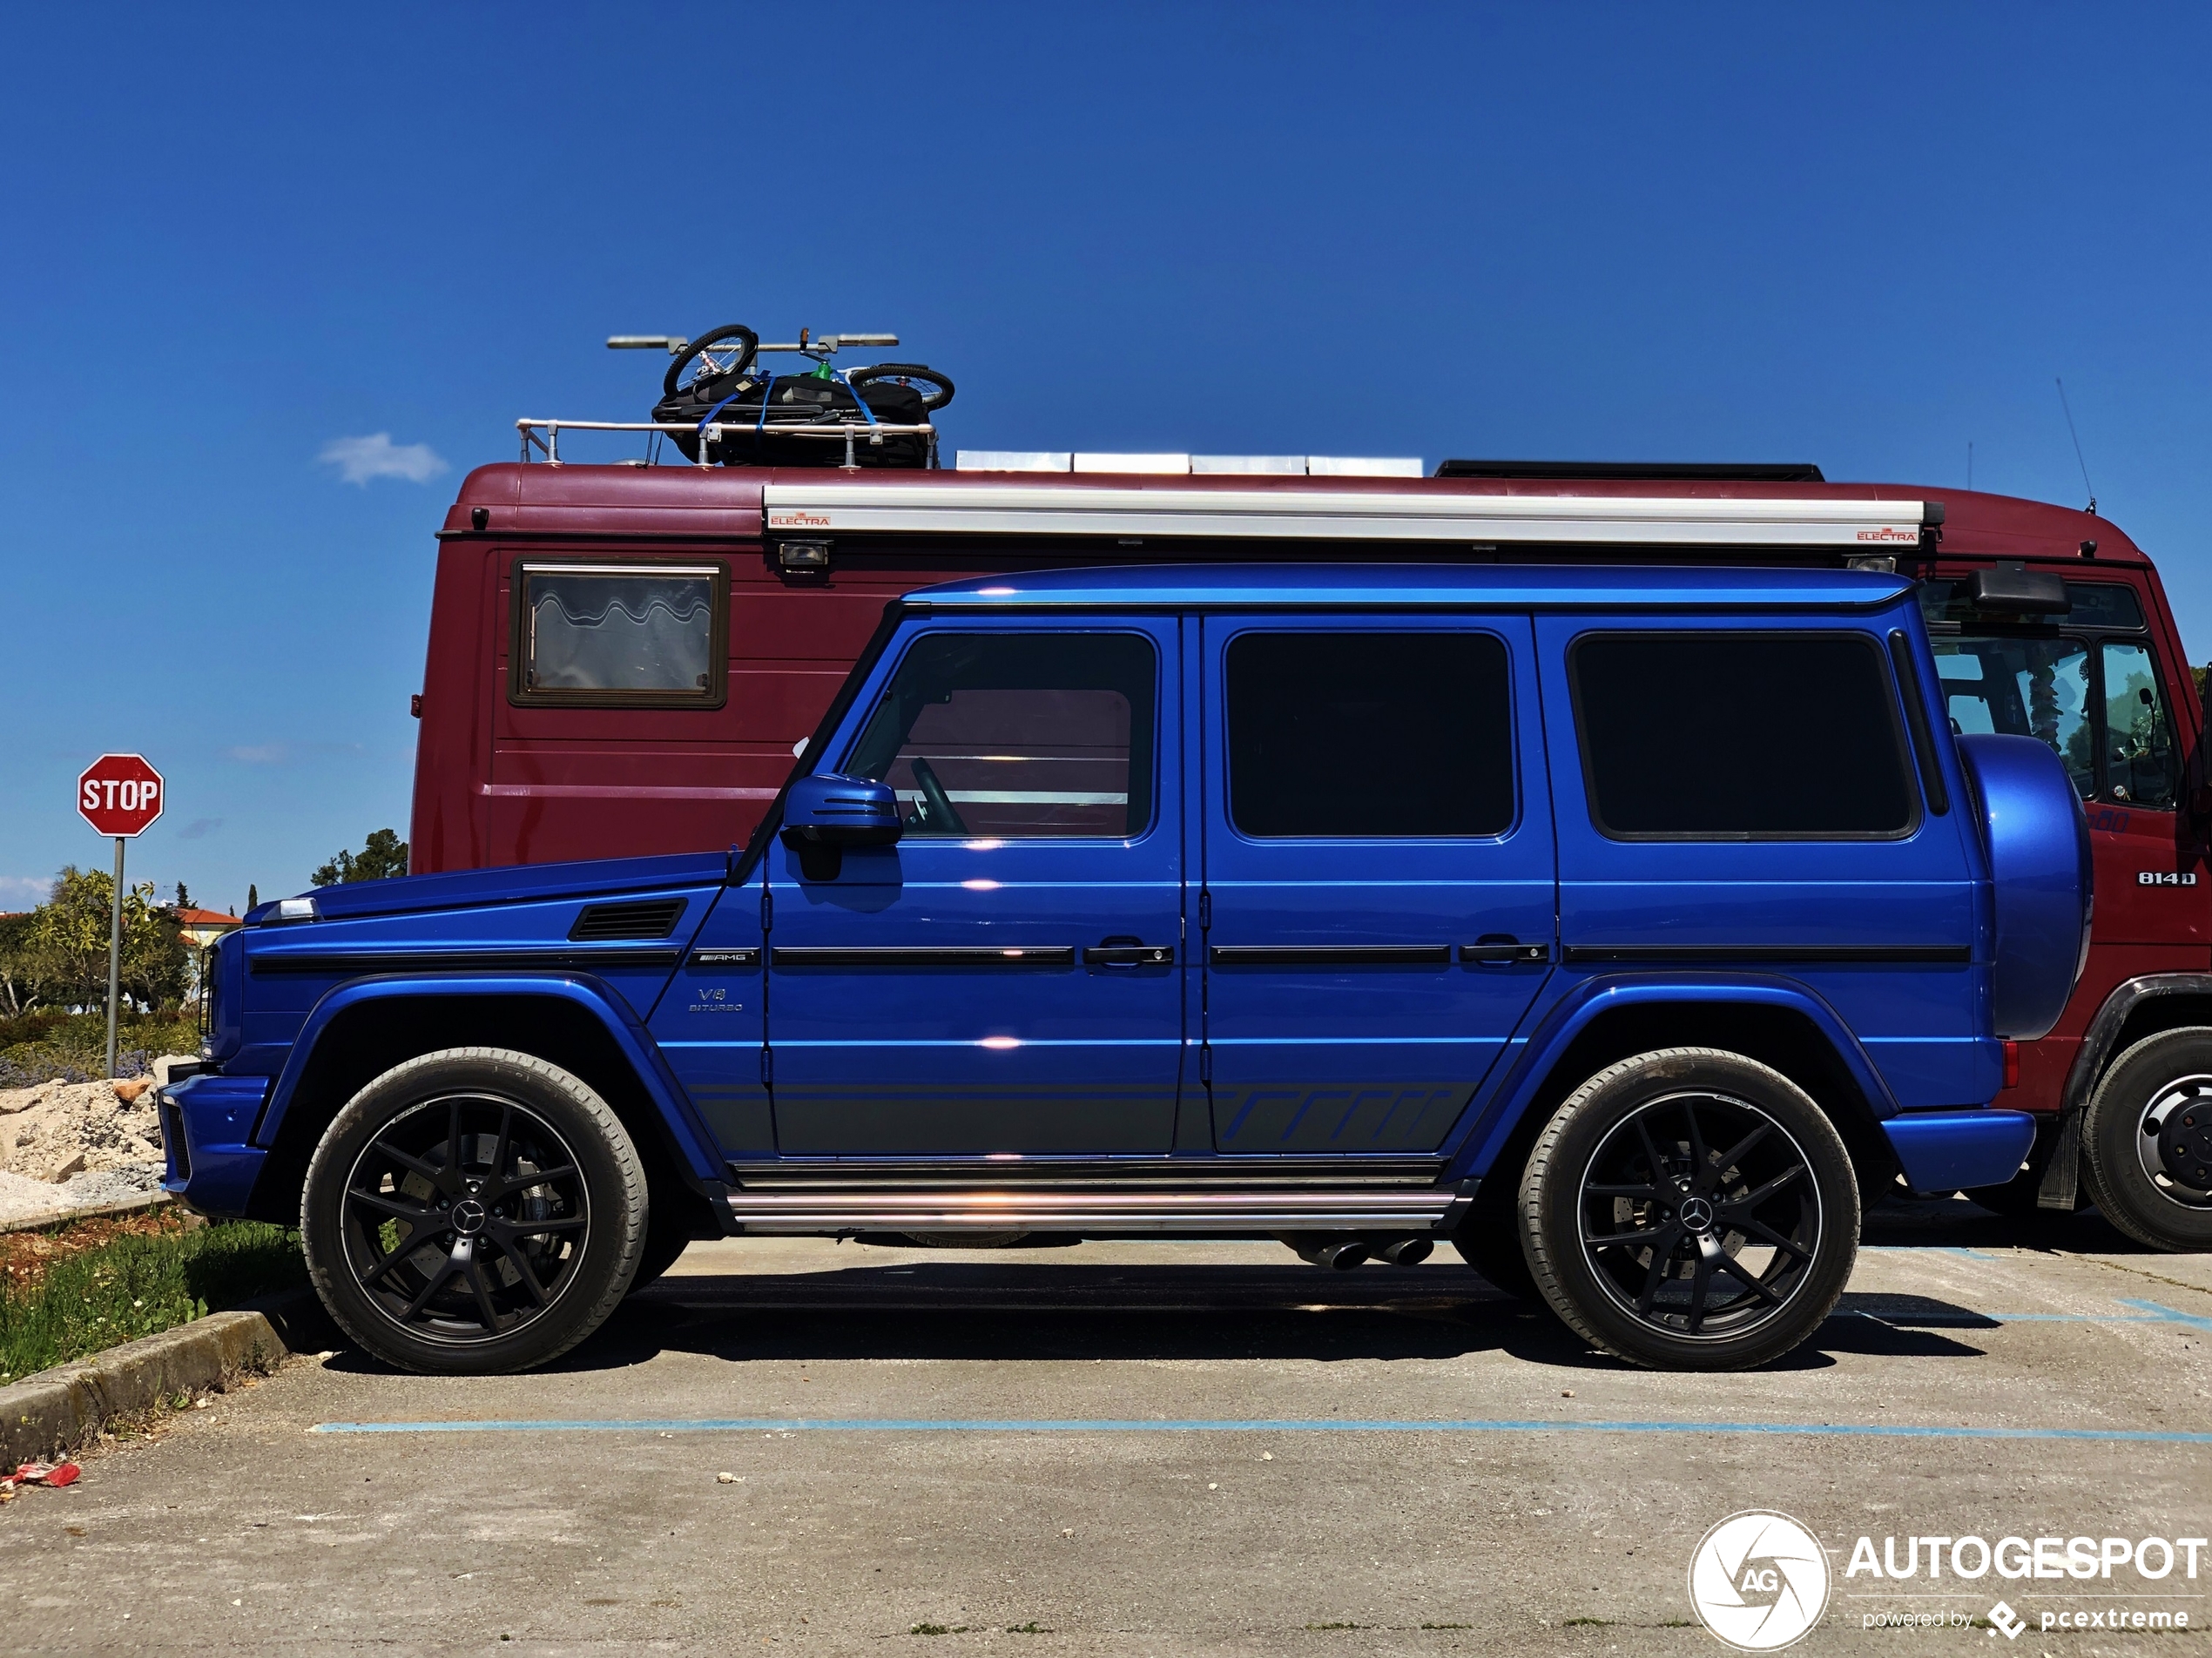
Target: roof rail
[(1645, 471), (713, 432)]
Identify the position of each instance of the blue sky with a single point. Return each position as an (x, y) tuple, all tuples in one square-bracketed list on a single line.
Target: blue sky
[(1862, 236)]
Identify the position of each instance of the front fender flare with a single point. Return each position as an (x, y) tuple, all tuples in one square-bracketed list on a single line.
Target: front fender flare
[(1606, 993), (700, 1158)]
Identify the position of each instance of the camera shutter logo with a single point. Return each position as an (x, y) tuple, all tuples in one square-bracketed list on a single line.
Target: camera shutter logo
[(1760, 1580)]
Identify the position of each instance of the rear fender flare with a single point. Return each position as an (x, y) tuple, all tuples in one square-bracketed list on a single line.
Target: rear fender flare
[(591, 996), (1609, 992)]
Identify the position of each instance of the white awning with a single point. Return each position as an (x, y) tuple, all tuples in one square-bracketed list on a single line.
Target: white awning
[(830, 507)]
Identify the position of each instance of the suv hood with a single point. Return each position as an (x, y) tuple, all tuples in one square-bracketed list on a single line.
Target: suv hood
[(511, 883)]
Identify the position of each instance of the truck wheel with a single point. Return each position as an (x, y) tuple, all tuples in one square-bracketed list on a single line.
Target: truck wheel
[(473, 1212), (1690, 1210), (2147, 1141)]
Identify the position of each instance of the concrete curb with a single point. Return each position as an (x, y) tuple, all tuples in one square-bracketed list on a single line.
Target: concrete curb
[(46, 1218), (60, 1408)]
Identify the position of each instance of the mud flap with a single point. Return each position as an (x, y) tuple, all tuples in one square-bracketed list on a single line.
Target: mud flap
[(2062, 1175)]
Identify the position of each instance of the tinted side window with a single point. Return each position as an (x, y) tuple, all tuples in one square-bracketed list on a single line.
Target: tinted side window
[(1379, 733), (1718, 736), (1024, 734)]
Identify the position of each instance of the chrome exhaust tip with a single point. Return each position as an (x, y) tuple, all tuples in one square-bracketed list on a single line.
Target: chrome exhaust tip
[(1404, 1251), (1337, 1251)]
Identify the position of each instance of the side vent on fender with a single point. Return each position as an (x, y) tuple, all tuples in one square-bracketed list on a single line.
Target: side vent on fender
[(652, 918)]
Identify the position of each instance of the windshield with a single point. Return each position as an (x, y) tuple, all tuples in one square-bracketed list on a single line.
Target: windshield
[(2099, 706)]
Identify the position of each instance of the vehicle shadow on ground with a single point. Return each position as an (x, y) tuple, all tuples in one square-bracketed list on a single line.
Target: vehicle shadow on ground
[(1958, 1222), (1070, 1314), (1002, 1308)]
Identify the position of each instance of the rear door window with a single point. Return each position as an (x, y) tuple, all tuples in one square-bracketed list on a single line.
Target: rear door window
[(1381, 734), (1714, 735)]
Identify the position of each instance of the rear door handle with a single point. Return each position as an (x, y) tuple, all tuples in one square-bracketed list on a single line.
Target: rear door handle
[(1128, 952)]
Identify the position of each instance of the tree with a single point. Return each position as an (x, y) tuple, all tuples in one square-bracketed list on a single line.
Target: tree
[(383, 856), (184, 898), (253, 896), (21, 973), (57, 956)]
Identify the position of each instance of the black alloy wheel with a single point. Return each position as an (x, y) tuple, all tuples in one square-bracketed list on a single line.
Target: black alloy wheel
[(1691, 1209), (466, 1217), (474, 1211), (2147, 1141)]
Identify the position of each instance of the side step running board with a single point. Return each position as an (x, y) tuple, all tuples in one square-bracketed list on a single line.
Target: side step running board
[(1000, 1209)]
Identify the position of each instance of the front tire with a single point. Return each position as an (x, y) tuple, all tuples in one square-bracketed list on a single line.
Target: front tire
[(2147, 1141), (1690, 1209), (473, 1212)]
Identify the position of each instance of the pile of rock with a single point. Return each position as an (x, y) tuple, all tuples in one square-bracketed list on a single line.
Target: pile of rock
[(78, 1145)]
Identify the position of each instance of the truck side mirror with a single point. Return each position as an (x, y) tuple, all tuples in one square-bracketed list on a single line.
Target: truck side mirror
[(823, 815)]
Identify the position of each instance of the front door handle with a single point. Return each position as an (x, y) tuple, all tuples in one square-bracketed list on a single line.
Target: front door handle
[(1498, 947), (1129, 953)]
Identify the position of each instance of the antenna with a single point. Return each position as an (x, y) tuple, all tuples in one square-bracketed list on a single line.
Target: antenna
[(2076, 436)]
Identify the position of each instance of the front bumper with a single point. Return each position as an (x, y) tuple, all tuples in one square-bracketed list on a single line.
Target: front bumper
[(1942, 1151), (206, 1129)]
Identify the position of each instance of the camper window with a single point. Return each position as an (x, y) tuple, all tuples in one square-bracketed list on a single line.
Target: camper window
[(651, 636)]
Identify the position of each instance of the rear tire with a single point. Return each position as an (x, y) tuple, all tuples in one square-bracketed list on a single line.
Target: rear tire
[(473, 1212), (1690, 1209), (2147, 1141), (1489, 1240), (666, 1239)]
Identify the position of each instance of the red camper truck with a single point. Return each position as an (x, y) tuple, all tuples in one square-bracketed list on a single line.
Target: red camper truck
[(624, 659)]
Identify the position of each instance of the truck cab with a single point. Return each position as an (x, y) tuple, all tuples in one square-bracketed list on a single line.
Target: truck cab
[(1621, 926)]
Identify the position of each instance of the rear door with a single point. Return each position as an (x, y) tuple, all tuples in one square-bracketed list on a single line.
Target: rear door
[(1379, 898), (1739, 793)]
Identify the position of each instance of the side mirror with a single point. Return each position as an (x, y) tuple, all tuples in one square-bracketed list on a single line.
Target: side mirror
[(824, 815)]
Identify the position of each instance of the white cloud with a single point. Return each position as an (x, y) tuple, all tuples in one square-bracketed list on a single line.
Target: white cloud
[(359, 458), (24, 892), (261, 753)]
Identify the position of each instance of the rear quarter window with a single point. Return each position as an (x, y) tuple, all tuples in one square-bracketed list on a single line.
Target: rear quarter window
[(1720, 735)]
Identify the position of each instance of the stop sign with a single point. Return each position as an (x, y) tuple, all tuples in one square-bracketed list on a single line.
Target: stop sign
[(119, 794)]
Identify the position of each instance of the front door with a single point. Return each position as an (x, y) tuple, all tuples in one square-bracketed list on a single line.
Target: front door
[(1379, 874), (1006, 978)]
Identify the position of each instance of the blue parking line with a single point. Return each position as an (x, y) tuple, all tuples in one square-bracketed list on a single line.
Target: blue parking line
[(2167, 1315), (770, 1425)]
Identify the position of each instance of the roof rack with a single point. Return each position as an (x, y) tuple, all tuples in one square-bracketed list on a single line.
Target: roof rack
[(1639, 471), (714, 431)]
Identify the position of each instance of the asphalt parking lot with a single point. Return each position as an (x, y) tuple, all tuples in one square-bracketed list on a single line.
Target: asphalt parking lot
[(1149, 1448)]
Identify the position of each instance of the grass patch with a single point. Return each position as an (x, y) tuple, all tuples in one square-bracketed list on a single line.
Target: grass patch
[(137, 1285), (1588, 1623), (1032, 1628), (1332, 1626), (938, 1629)]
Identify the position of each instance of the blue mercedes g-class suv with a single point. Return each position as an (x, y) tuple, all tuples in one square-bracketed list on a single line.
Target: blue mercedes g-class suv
[(1621, 926)]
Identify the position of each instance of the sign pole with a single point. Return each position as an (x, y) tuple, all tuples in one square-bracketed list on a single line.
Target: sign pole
[(114, 953), (118, 795)]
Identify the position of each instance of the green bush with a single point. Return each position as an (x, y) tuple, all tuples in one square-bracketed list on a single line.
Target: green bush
[(72, 1047), (138, 1286)]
